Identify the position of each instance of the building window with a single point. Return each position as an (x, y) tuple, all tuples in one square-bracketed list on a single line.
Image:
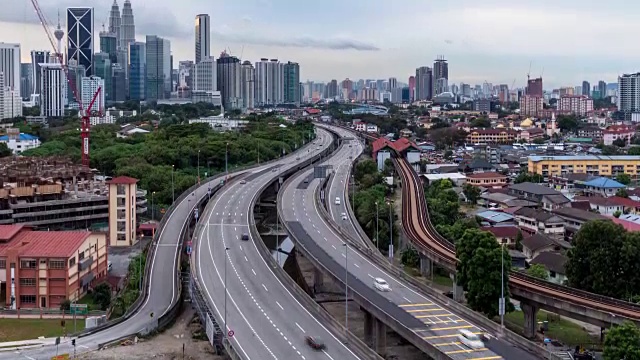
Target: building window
[(122, 214), (56, 264), (122, 226), (121, 190), (122, 237), (27, 264), (27, 299), (120, 202), (27, 282), (3, 264), (72, 261), (81, 256)]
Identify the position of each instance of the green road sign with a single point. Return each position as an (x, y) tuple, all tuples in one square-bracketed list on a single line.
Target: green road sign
[(79, 309)]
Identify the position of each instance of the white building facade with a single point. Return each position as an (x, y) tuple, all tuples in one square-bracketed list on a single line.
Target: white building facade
[(53, 90), (206, 75), (269, 82), (89, 87)]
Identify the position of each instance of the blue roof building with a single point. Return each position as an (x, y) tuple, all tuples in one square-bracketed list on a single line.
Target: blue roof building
[(19, 142), (603, 186)]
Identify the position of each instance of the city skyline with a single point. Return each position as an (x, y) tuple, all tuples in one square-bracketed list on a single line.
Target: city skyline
[(388, 47)]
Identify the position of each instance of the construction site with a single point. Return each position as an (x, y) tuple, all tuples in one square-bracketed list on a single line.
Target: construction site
[(53, 193)]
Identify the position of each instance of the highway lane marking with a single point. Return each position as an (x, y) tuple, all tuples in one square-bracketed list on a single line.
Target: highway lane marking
[(442, 336), (83, 346), (279, 305), (410, 305), (465, 351), (430, 316), (245, 259), (486, 358), (240, 246), (326, 353), (452, 328), (422, 310), (300, 327), (448, 343), (254, 272), (429, 310), (28, 357), (407, 300), (356, 265), (334, 247), (265, 287)]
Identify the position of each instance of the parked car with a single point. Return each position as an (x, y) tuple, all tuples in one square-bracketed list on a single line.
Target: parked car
[(315, 343)]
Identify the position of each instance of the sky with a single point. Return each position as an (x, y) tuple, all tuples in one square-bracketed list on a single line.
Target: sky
[(491, 40)]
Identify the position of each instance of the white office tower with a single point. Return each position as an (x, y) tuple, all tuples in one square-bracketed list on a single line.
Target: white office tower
[(206, 75), (53, 90), (89, 87), (114, 22), (248, 76), (269, 82), (203, 35), (127, 26), (10, 65)]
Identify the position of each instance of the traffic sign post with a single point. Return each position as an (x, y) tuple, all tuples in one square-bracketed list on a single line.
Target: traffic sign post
[(79, 309)]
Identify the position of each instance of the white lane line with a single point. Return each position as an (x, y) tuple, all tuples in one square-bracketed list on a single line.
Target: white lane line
[(26, 356), (300, 327), (280, 306), (83, 346), (356, 265), (245, 259), (254, 272), (334, 247), (371, 276), (240, 247), (409, 301), (265, 287), (326, 353)]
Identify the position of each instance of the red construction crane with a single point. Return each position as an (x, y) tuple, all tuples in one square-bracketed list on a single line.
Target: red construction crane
[(85, 115)]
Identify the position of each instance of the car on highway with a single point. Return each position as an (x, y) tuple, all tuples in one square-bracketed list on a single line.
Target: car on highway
[(344, 216), (245, 237), (243, 181), (298, 158), (337, 201), (315, 343), (470, 339), (381, 285)]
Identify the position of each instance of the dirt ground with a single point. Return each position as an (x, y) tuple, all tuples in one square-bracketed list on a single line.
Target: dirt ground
[(168, 345)]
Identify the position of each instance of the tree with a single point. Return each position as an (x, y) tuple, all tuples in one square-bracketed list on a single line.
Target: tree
[(65, 305), (4, 150), (609, 267), (479, 271), (481, 122), (619, 143), (623, 179), (567, 123), (410, 257), (622, 342), (519, 239), (634, 151), (102, 296), (472, 193), (526, 177), (617, 214), (622, 193), (538, 271)]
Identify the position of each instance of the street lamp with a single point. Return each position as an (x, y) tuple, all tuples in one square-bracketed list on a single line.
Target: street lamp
[(226, 161), (152, 208), (377, 227), (173, 190), (198, 166), (390, 230), (346, 287), (226, 256), (501, 304)]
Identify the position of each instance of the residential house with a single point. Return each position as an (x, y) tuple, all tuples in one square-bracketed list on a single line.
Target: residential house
[(550, 202), (575, 218), (531, 191), (495, 217), (495, 200), (531, 134), (518, 260), (610, 205), (476, 165), (533, 221), (505, 235), (602, 186), (534, 245), (555, 265), (487, 179), (617, 132), (571, 182)]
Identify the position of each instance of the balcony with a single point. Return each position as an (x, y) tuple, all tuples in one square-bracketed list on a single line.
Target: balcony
[(85, 263)]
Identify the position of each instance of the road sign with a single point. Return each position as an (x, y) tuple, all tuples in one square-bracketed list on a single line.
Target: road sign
[(230, 333), (79, 309), (61, 357)]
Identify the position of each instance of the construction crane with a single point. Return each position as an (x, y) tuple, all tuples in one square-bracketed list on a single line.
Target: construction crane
[(85, 115)]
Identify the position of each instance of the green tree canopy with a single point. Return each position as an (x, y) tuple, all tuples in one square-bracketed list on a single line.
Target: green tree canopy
[(623, 179), (538, 271), (4, 150), (622, 342)]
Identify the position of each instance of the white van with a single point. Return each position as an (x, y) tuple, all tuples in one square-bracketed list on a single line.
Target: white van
[(337, 201), (470, 339)]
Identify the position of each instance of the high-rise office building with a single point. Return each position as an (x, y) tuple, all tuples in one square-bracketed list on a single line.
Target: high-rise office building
[(393, 83), (109, 45), (269, 82), (628, 93), (37, 58), (80, 37), (115, 22), (534, 87), (127, 26), (424, 83), (331, 90), (76, 73), (119, 83), (10, 87), (602, 89), (203, 34), (440, 71), (137, 70), (248, 77), (53, 90), (158, 71), (102, 69), (230, 81), (26, 80), (205, 75), (91, 84), (586, 88), (292, 83)]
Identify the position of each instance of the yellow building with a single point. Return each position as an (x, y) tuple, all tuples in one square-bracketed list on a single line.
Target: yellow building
[(590, 164), (122, 211)]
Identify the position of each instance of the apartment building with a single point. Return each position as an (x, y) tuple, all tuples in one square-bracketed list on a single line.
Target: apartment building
[(492, 136), (487, 179), (40, 269), (592, 132), (576, 104), (122, 211), (531, 105), (615, 132), (587, 164)]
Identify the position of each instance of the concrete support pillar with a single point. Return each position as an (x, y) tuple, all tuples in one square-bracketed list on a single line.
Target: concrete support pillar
[(368, 328), (318, 281), (380, 342), (425, 266), (458, 291), (530, 312)]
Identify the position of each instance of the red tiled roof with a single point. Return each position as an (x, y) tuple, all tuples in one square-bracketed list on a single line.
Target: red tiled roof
[(403, 144), (627, 225), (502, 231), (51, 243), (147, 226), (122, 180), (486, 175), (313, 111), (7, 232)]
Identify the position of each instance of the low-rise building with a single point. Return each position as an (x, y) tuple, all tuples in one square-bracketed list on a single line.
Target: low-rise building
[(18, 142), (602, 186), (531, 191), (487, 179), (587, 164), (536, 244), (533, 221), (492, 136), (555, 264), (592, 132), (575, 218), (617, 132), (41, 269), (505, 235)]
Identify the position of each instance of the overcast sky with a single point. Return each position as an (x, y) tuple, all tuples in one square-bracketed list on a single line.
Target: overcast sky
[(492, 40)]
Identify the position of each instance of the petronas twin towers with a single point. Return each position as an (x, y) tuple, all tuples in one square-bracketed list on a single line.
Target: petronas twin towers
[(122, 26)]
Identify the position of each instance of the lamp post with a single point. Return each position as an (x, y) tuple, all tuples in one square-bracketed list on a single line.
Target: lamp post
[(377, 227), (353, 192), (152, 208), (390, 230), (198, 166), (226, 161), (501, 304), (226, 256), (346, 287), (173, 190)]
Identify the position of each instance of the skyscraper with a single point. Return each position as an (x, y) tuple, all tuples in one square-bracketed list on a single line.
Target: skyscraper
[(332, 89), (53, 91), (602, 89), (80, 37), (26, 80), (424, 83), (393, 83), (90, 85), (534, 87), (37, 58), (102, 69), (127, 26), (109, 45), (137, 70), (248, 85), (158, 71), (229, 81), (440, 71), (119, 83), (628, 94), (115, 22), (10, 88), (203, 34), (205, 75), (586, 88), (292, 83), (269, 82)]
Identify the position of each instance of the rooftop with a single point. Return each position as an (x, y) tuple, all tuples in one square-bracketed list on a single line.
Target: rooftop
[(579, 214), (122, 180), (22, 137), (585, 158), (603, 182), (486, 175), (61, 244), (533, 188)]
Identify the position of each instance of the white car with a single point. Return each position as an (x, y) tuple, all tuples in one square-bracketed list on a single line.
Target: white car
[(337, 201), (381, 285), (344, 216), (243, 182), (470, 339)]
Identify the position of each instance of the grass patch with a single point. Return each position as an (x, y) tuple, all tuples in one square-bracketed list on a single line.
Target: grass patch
[(29, 329), (442, 280), (89, 301), (563, 330)]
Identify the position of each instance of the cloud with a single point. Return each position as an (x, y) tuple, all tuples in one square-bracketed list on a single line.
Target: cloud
[(298, 42)]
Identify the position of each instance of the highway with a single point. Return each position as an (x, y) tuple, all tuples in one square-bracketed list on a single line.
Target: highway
[(433, 321), (266, 319)]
